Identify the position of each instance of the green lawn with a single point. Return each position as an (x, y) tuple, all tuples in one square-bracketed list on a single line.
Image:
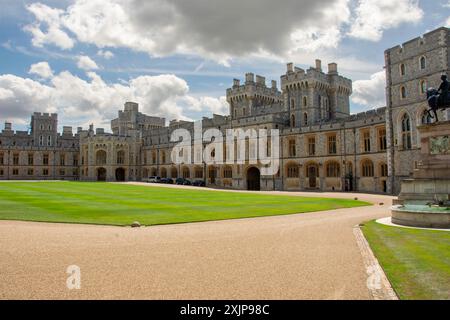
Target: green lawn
[(417, 262), (119, 204)]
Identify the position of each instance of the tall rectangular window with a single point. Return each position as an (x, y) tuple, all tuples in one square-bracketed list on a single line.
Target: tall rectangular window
[(45, 159), (62, 159), (75, 160), (332, 148), (15, 159), (366, 140), (292, 148), (382, 142), (312, 146), (30, 159), (1, 159)]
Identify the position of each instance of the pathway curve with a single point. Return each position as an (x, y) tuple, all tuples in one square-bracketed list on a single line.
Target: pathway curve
[(303, 256)]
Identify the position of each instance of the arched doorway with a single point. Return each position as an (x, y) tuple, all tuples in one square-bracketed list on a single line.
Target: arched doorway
[(101, 174), (312, 172), (120, 174), (253, 179)]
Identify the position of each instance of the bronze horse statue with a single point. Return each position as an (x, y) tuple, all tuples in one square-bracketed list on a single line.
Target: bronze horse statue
[(436, 103)]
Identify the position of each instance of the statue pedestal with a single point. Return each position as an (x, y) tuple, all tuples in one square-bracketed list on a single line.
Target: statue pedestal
[(430, 183)]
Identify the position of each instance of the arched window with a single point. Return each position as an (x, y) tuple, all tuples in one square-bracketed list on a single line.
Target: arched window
[(120, 157), (403, 92), (227, 172), (423, 63), (292, 171), (292, 104), (333, 169), (305, 119), (367, 168), (305, 101), (100, 157), (423, 86), (292, 121), (163, 173), (406, 132), (402, 69), (426, 117)]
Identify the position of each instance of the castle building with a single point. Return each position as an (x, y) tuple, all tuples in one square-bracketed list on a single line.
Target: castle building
[(322, 145), (411, 68)]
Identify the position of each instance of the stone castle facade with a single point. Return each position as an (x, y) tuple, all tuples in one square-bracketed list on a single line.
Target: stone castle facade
[(322, 146)]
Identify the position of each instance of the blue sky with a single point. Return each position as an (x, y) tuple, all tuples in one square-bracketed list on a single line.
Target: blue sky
[(177, 60)]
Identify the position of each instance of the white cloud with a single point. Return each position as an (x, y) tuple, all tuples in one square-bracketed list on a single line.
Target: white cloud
[(19, 97), (105, 54), (42, 69), (86, 63), (370, 93), (207, 104), (6, 94), (80, 102), (374, 17), (213, 29), (48, 29)]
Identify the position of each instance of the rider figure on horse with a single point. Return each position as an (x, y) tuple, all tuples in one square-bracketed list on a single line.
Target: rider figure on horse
[(443, 90), (438, 99)]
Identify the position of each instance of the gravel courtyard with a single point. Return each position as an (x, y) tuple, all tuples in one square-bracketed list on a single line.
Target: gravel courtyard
[(304, 256)]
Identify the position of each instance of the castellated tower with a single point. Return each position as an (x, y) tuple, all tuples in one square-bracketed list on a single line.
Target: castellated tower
[(44, 129), (411, 68), (245, 99), (313, 96)]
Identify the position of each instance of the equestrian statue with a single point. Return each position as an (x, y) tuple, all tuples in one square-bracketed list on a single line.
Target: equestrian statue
[(438, 99)]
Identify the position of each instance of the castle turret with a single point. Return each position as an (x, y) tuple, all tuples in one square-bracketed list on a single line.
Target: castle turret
[(44, 129), (312, 96), (243, 99)]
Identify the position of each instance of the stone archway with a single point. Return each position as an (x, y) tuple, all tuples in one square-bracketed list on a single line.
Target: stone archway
[(253, 179), (101, 174), (120, 174)]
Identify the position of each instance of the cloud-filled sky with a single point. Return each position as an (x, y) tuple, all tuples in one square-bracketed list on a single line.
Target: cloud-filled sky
[(85, 58)]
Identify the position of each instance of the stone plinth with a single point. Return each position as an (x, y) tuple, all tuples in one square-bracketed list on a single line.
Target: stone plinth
[(430, 183), (431, 179)]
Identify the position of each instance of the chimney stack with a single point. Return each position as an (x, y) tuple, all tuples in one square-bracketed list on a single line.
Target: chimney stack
[(8, 126), (236, 82), (332, 68), (249, 78), (290, 67), (274, 84), (319, 65), (260, 80)]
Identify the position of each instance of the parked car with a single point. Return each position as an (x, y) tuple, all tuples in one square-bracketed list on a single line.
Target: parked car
[(183, 182), (154, 179), (199, 183), (166, 181)]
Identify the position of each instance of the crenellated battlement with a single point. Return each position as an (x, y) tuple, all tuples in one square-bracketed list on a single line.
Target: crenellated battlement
[(315, 77), (427, 42), (45, 115)]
